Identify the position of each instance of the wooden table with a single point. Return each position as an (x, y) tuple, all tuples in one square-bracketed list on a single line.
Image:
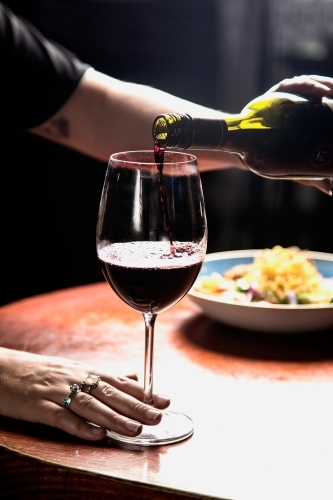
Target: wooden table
[(261, 405)]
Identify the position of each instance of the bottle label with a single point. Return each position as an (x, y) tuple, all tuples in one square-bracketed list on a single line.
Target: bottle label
[(322, 155)]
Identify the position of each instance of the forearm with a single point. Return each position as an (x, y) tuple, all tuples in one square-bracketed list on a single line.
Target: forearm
[(105, 115)]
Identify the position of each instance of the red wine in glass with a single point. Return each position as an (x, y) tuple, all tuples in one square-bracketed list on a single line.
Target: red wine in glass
[(151, 286), (159, 160), (151, 242)]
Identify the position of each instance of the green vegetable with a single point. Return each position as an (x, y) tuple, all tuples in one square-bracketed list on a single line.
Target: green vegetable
[(242, 286)]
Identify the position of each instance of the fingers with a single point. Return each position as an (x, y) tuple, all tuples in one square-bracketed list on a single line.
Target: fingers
[(69, 422), (311, 85), (134, 389), (108, 408), (114, 407), (37, 386), (324, 185), (92, 410), (89, 418), (323, 82), (108, 399)]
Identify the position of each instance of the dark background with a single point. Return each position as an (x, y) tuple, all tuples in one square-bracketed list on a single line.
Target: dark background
[(215, 52)]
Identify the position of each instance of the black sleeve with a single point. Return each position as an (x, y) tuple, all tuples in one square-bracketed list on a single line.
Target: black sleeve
[(37, 76)]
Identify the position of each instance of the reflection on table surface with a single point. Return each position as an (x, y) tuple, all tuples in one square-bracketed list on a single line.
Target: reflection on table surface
[(261, 404)]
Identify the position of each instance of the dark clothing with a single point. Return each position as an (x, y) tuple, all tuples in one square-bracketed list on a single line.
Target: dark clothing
[(37, 76)]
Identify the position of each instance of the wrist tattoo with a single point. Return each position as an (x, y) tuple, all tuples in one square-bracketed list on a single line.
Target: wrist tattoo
[(57, 127)]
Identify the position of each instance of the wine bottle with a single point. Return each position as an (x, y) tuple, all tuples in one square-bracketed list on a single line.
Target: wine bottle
[(277, 135)]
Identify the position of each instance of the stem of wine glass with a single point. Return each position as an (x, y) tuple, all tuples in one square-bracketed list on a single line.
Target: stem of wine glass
[(149, 352)]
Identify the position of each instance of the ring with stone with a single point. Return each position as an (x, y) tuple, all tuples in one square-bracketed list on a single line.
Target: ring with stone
[(74, 388), (90, 382)]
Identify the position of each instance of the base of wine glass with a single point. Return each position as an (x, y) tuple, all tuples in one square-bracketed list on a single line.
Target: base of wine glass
[(173, 427)]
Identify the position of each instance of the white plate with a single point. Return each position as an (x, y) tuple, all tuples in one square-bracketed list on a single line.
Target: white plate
[(268, 318)]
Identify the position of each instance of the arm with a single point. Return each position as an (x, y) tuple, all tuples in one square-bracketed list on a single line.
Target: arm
[(105, 115), (63, 101), (53, 94)]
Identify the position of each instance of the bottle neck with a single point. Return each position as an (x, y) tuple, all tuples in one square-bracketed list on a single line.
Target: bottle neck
[(269, 112), (184, 131)]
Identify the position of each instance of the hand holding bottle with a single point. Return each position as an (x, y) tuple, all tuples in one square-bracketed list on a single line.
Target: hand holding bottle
[(312, 86), (308, 85), (279, 135)]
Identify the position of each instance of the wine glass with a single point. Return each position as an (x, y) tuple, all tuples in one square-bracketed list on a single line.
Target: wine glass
[(151, 242)]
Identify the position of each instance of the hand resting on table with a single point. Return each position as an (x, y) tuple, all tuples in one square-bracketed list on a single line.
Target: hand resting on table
[(34, 387)]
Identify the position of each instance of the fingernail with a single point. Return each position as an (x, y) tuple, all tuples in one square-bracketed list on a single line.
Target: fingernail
[(132, 426), (98, 431), (329, 193), (133, 376), (161, 400), (153, 414), (321, 86)]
